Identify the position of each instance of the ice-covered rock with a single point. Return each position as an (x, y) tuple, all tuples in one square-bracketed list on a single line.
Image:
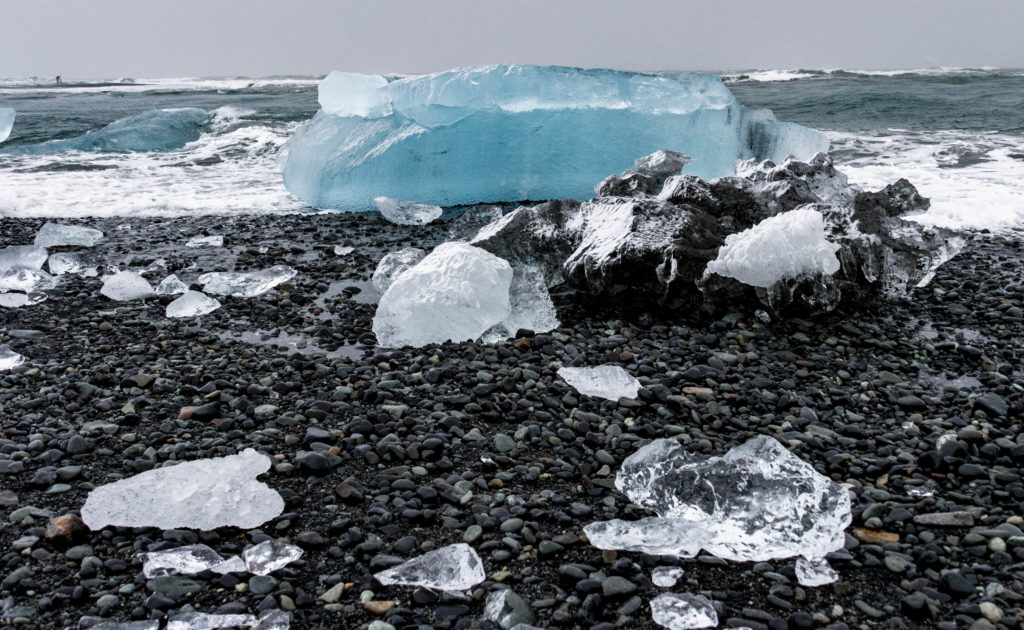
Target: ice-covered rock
[(202, 494), (683, 611), (392, 265), (508, 610), (205, 241), (453, 568), (246, 284), (124, 286), (814, 572), (457, 292), (153, 130), (171, 285), (666, 577), (269, 556), (508, 133), (10, 359), (603, 381), (29, 256), (6, 122), (406, 212), (755, 503), (648, 175), (187, 560), (531, 306), (192, 304), (59, 235)]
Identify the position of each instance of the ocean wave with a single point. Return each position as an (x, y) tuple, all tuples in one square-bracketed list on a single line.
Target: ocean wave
[(768, 76), (18, 85)]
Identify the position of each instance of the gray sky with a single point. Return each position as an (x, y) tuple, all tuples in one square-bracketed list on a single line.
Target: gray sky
[(169, 38)]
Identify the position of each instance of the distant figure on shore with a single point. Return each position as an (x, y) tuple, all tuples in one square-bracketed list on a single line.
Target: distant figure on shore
[(58, 80)]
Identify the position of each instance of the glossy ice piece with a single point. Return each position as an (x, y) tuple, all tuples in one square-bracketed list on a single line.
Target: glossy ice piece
[(205, 241), (452, 568), (666, 577), (124, 286), (9, 358), (187, 560), (815, 572), (29, 256), (171, 285), (26, 280), (531, 306), (207, 621), (604, 381), (394, 264), (246, 284), (683, 611), (59, 235), (192, 304), (269, 556), (406, 212)]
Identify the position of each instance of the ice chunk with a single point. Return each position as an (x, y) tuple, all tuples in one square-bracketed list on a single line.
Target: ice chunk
[(269, 556), (343, 250), (58, 235), (508, 610), (187, 560), (392, 265), (17, 300), (510, 132), (666, 576), (683, 611), (406, 212), (755, 503), (26, 279), (9, 358), (202, 494), (171, 285), (22, 256), (124, 286), (153, 130), (246, 284), (274, 620), (207, 621), (205, 241), (64, 262), (457, 292), (152, 624), (814, 572), (531, 305), (603, 381), (192, 304), (452, 568), (467, 225), (6, 122)]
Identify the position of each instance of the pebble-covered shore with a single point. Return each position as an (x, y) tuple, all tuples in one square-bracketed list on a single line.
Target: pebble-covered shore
[(382, 455)]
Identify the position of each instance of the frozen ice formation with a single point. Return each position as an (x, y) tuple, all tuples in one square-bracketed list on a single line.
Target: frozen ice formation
[(406, 212), (246, 284), (683, 611), (153, 130), (187, 560), (29, 256), (755, 503), (530, 303), (9, 358), (6, 122), (202, 494), (392, 265), (192, 304), (171, 285), (814, 572), (457, 292), (604, 381), (666, 577), (58, 235), (269, 556), (452, 568), (124, 286), (205, 241), (17, 300), (509, 132)]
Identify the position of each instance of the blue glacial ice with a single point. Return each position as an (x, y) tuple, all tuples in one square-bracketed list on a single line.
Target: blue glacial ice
[(6, 122), (510, 133), (153, 130)]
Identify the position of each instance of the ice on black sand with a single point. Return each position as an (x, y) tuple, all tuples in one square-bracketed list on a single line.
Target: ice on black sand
[(452, 568), (604, 381)]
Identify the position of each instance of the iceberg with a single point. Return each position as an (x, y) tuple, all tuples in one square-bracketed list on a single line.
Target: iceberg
[(453, 568), (202, 494), (59, 235), (10, 359), (604, 381), (683, 611), (192, 304), (6, 122), (394, 264), (246, 284), (514, 132), (406, 212), (124, 286), (153, 130)]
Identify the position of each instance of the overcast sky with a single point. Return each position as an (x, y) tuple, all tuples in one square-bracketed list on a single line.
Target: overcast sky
[(172, 38)]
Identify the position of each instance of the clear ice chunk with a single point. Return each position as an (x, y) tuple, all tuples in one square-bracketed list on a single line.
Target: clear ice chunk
[(202, 494), (64, 262), (125, 286), (755, 503), (452, 568), (604, 381), (246, 284), (392, 265), (205, 241), (192, 304), (16, 300), (456, 292), (171, 285), (531, 306), (269, 556), (234, 564), (683, 611), (343, 250), (58, 235), (467, 225), (9, 358), (406, 212), (26, 280), (666, 577), (207, 621), (149, 624), (814, 572), (6, 122), (187, 560), (28, 256)]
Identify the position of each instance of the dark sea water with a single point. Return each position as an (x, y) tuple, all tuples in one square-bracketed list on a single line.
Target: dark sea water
[(956, 134)]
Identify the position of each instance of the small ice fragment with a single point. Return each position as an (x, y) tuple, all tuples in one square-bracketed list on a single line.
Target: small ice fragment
[(192, 304), (64, 262), (274, 620), (22, 256), (203, 494), (26, 279), (6, 122), (453, 568), (246, 284), (269, 556), (816, 572), (683, 611), (58, 235), (392, 265), (9, 358), (206, 621), (343, 250), (187, 560), (666, 576), (234, 564), (17, 299), (171, 285), (406, 212), (152, 624), (508, 610), (124, 286), (205, 241), (604, 381)]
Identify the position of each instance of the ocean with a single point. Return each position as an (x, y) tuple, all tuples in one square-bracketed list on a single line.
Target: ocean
[(957, 134)]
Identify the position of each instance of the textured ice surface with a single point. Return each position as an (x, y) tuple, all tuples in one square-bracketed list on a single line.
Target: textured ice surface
[(755, 503), (683, 611), (392, 265), (406, 212), (786, 245), (269, 556), (6, 122), (452, 568), (457, 292), (207, 621), (126, 285), (274, 620), (205, 241), (814, 572), (192, 304), (58, 234), (22, 256), (508, 133), (26, 279), (603, 381), (171, 285), (202, 494), (666, 577), (153, 130), (245, 284), (9, 358), (187, 560)]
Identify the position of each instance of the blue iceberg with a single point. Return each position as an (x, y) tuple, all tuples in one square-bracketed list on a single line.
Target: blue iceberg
[(511, 133), (153, 130), (6, 122)]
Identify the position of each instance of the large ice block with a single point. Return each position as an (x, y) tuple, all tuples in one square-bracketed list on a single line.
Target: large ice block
[(6, 122), (603, 381), (511, 132), (124, 286)]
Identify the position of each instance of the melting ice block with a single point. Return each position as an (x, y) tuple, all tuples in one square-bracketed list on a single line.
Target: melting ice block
[(205, 241), (124, 286), (509, 132), (6, 122), (171, 285), (246, 284), (269, 556), (666, 576), (603, 381), (9, 358), (683, 611), (406, 212), (343, 250), (392, 265), (202, 494), (152, 624), (192, 304), (65, 262), (452, 568), (17, 300), (58, 234)]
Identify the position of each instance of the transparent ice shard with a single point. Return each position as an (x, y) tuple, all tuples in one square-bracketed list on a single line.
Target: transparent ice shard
[(26, 279), (452, 568), (406, 212), (205, 241), (9, 358), (604, 381), (683, 611), (207, 621), (246, 284), (58, 234), (28, 256), (814, 572), (234, 564), (202, 494), (187, 560), (124, 286), (666, 577), (531, 306), (269, 556), (171, 285), (64, 262), (6, 122), (192, 304), (149, 624), (394, 264)]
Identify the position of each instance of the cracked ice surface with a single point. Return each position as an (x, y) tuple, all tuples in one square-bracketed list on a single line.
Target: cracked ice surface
[(269, 556), (246, 284), (603, 381), (452, 568), (126, 285), (406, 212), (683, 611), (757, 502), (202, 494), (394, 264), (192, 304), (58, 234)]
